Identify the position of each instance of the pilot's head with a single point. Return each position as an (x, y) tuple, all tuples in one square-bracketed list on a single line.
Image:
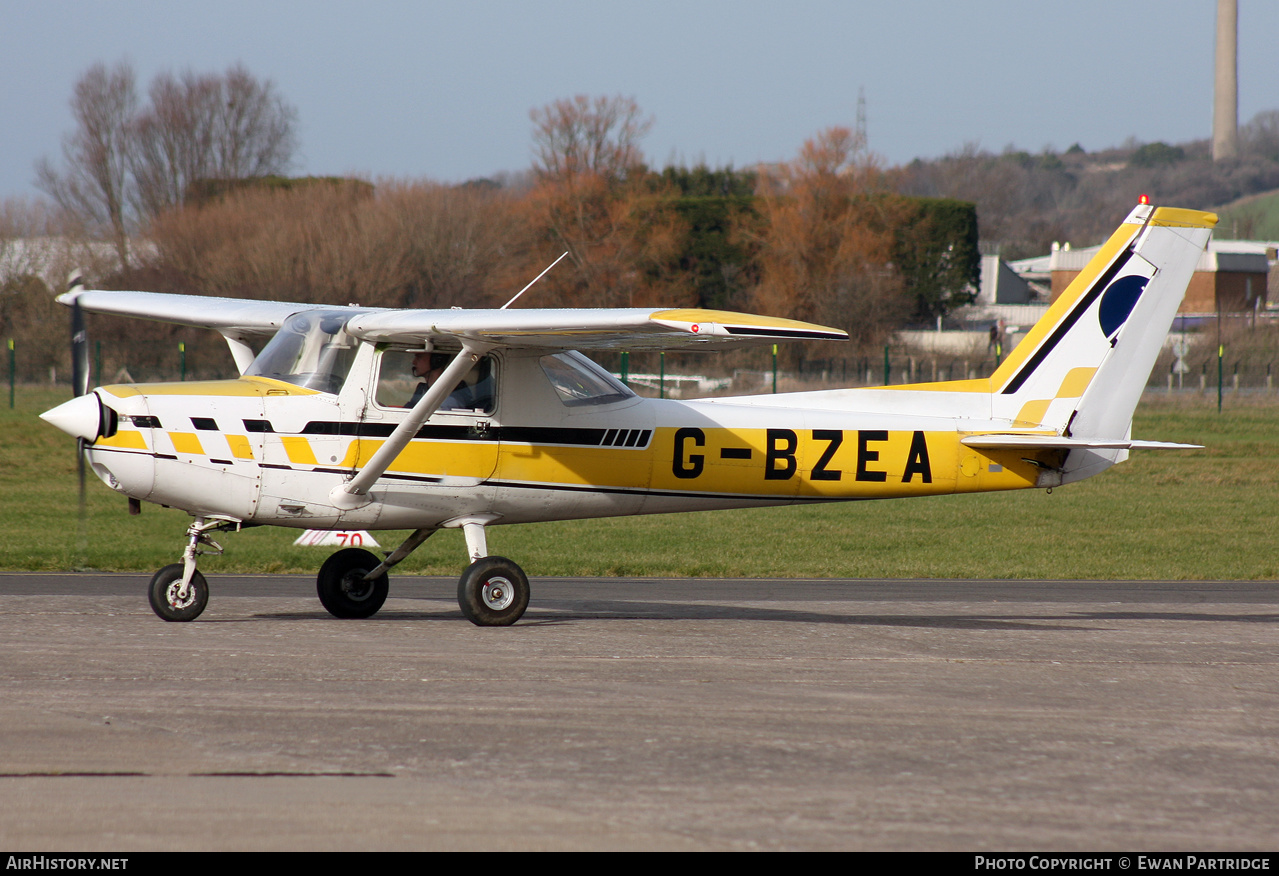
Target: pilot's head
[(430, 365)]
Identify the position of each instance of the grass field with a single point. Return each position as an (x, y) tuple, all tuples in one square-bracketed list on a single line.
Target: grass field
[(1199, 514)]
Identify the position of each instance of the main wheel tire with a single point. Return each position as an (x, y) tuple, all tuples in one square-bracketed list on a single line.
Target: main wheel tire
[(342, 588), (163, 594), (493, 592)]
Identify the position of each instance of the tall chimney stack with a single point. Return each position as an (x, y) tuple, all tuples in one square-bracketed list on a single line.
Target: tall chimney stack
[(1225, 101)]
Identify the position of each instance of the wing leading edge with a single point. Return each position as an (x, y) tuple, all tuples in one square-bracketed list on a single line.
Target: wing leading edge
[(632, 328), (226, 315)]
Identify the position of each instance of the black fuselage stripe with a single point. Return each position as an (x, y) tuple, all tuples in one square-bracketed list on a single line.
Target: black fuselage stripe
[(569, 436), (668, 494), (561, 488)]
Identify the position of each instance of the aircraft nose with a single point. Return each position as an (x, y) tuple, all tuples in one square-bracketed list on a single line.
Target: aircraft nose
[(81, 417)]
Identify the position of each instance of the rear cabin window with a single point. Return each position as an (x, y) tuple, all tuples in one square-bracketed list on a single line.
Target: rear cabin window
[(578, 381)]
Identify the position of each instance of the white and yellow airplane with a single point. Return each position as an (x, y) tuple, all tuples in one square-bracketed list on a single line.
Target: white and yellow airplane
[(328, 427)]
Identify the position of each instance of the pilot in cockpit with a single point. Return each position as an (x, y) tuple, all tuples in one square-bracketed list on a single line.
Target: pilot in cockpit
[(429, 366)]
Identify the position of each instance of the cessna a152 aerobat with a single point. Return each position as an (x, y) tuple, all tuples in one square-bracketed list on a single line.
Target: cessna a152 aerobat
[(328, 428)]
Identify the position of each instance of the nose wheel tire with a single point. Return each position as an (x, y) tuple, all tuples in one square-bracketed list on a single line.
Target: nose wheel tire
[(342, 588), (167, 600), (493, 592)]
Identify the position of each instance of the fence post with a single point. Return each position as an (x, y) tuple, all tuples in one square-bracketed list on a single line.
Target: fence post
[(12, 367), (1221, 366)]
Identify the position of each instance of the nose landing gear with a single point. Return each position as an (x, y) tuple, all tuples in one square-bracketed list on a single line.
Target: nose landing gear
[(175, 600), (178, 592)]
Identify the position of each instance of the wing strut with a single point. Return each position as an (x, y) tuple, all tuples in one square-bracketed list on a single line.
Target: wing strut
[(355, 492)]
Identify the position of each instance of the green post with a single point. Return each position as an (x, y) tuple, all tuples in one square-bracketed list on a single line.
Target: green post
[(774, 369), (999, 352), (12, 368), (182, 356), (626, 367), (661, 380), (886, 371), (1221, 352)]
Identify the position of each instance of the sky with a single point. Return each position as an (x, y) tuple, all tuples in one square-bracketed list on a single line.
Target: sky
[(443, 90)]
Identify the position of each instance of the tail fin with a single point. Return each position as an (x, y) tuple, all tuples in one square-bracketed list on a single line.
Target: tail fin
[(1081, 370)]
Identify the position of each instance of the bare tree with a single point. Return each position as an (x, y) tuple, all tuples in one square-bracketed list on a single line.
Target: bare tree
[(203, 126), (256, 130), (592, 198), (174, 139), (598, 135), (396, 245), (121, 162), (95, 182), (1261, 135)]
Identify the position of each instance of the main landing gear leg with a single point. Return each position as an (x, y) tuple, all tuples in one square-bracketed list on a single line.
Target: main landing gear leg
[(353, 584), (178, 592), (493, 591)]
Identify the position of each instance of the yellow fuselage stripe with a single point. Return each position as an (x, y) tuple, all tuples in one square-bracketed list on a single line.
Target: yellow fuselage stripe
[(767, 463)]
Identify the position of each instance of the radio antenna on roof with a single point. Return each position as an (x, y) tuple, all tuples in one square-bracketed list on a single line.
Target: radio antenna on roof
[(535, 279)]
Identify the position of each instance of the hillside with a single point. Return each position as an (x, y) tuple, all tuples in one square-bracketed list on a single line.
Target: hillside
[(1253, 217), (1026, 201)]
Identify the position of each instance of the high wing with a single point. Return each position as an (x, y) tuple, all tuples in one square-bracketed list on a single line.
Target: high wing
[(633, 328), (236, 315), (236, 319)]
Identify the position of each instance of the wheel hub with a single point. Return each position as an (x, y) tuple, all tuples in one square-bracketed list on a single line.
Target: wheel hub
[(498, 593), (355, 587), (175, 597)]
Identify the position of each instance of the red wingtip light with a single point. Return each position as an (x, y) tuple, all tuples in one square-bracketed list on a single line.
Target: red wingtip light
[(1144, 200)]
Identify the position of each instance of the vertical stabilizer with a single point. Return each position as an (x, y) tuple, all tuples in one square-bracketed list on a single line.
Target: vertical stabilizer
[(1081, 370)]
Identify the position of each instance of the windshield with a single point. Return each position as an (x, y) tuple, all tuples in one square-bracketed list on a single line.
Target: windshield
[(309, 350)]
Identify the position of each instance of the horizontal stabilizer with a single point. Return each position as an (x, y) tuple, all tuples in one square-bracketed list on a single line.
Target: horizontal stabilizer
[(1058, 442)]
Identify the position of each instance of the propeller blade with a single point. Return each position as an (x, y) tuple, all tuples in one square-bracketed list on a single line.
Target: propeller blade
[(79, 350), (80, 386), (83, 528)]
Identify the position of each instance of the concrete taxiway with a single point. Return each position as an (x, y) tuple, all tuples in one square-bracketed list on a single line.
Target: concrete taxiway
[(643, 714)]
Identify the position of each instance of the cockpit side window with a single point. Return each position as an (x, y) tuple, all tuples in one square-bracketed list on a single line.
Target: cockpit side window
[(405, 375), (310, 350), (578, 381)]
